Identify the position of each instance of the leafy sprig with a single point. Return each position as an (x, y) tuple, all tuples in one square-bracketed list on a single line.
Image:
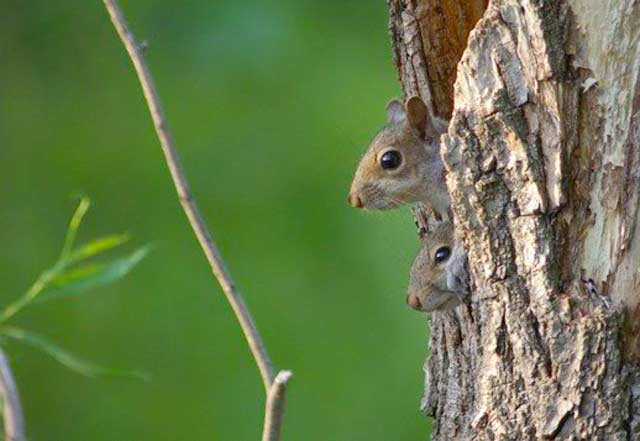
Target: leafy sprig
[(77, 271)]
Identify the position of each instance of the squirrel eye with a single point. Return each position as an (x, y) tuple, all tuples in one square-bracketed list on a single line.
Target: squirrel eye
[(442, 254), (390, 160)]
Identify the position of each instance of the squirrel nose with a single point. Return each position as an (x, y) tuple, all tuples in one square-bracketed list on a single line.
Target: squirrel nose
[(355, 201), (414, 302)]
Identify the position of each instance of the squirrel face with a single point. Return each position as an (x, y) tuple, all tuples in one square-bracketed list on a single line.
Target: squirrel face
[(402, 164), (438, 279)]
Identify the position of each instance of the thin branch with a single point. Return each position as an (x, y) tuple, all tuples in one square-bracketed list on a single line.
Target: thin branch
[(274, 409), (12, 410), (210, 249)]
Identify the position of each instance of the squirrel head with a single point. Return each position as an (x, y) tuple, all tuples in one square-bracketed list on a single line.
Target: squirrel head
[(400, 160), (438, 279)]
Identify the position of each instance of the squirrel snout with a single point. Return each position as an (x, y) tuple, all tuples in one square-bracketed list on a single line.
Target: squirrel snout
[(414, 302), (355, 201)]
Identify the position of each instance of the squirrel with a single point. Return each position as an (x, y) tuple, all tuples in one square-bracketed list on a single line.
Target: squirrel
[(402, 164), (438, 280)]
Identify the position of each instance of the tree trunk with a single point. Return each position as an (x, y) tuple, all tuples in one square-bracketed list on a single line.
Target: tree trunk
[(543, 168)]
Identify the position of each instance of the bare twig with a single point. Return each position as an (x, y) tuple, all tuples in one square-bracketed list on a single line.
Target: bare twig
[(136, 53), (274, 408), (274, 388), (12, 410)]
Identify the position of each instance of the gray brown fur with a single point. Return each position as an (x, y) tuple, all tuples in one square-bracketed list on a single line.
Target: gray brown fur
[(437, 286), (413, 133)]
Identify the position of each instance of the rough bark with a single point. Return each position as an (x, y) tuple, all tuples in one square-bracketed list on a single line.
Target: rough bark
[(543, 167), (428, 37)]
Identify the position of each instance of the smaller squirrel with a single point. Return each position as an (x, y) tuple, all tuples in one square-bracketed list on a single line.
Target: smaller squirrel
[(438, 279), (402, 164)]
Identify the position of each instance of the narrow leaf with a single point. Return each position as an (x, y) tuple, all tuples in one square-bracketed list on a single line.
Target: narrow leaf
[(87, 277), (74, 224), (96, 247), (65, 358)]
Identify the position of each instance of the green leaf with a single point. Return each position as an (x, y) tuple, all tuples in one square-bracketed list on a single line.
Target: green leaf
[(96, 247), (46, 277), (86, 277), (65, 358), (74, 224)]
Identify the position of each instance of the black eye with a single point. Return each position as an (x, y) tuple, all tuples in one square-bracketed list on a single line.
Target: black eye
[(442, 254), (390, 160)]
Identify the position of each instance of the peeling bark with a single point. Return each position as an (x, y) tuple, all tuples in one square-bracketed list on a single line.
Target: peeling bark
[(543, 168)]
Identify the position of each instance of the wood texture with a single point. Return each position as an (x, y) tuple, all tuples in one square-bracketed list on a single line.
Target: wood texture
[(428, 40), (543, 170)]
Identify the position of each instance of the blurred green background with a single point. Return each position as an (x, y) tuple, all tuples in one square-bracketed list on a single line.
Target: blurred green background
[(271, 104)]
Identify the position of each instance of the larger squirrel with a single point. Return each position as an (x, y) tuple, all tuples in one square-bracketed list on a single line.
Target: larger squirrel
[(402, 164)]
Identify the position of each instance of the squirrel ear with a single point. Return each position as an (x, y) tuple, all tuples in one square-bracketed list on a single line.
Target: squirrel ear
[(395, 111), (418, 115)]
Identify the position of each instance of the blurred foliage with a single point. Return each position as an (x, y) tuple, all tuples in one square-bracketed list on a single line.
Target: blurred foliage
[(271, 104)]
